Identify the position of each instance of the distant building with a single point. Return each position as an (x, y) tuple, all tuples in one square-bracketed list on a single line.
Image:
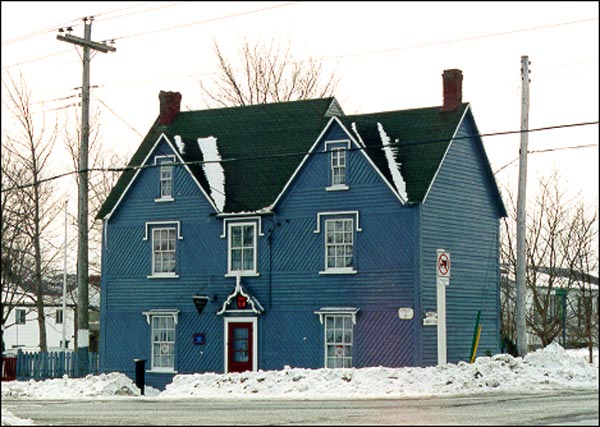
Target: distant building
[(21, 329), (570, 298)]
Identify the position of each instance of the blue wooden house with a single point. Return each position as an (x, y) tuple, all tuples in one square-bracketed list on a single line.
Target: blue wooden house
[(256, 237)]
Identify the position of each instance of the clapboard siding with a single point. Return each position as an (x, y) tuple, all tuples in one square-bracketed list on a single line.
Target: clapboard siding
[(393, 255), (459, 215)]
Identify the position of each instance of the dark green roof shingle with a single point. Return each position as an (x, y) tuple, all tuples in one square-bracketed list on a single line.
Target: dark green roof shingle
[(262, 145), (420, 138), (247, 138)]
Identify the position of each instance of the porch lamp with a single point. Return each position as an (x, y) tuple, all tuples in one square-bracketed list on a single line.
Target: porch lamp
[(200, 302)]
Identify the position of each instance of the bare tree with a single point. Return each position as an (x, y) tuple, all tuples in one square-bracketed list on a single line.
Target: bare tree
[(29, 149), (16, 271), (581, 242), (553, 230), (267, 73)]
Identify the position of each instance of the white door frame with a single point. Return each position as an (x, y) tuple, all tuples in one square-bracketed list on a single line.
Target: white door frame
[(254, 321)]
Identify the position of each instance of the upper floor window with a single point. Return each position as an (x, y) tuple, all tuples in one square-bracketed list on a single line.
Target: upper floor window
[(59, 316), (164, 235), (339, 244), (338, 164), (163, 251), (242, 248), (166, 171), (20, 316)]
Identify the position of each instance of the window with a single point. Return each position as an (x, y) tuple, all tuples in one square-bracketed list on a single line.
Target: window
[(338, 341), (59, 316), (242, 248), (163, 251), (339, 244), (338, 167), (20, 316), (163, 343), (166, 177)]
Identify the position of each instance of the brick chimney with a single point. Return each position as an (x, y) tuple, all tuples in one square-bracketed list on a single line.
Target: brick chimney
[(452, 89), (170, 104)]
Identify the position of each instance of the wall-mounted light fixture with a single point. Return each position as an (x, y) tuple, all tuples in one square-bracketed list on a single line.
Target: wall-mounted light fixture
[(200, 302)]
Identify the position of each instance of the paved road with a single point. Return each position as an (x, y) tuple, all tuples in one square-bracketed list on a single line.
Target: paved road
[(564, 408)]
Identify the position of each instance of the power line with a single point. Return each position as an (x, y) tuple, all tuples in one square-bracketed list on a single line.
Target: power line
[(75, 22), (206, 21), (304, 153), (119, 117), (572, 147)]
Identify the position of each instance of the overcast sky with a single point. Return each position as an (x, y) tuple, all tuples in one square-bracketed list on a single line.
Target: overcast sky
[(389, 56)]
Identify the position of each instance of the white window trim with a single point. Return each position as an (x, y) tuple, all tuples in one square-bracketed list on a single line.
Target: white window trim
[(157, 162), (338, 143), (336, 311), (157, 225), (258, 219), (339, 270), (254, 271), (149, 315), (254, 321), (341, 214), (177, 224)]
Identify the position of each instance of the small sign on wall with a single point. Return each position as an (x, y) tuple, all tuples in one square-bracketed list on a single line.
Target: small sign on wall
[(406, 313), (430, 319), (199, 339)]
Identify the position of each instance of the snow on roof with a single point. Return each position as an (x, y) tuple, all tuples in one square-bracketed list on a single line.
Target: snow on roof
[(180, 144), (213, 170), (360, 140), (390, 155)]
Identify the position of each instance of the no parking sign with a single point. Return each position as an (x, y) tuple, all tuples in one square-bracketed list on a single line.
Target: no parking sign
[(443, 266)]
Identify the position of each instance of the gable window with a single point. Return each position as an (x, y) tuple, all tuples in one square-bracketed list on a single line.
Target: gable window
[(20, 316), (166, 171), (163, 251), (338, 167), (59, 316), (338, 341), (339, 244), (338, 164), (242, 248), (163, 343)]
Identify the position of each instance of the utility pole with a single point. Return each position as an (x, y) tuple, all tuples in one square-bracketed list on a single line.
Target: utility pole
[(64, 300), (82, 206), (521, 321)]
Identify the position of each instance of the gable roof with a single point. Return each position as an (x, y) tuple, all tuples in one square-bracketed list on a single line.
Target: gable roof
[(420, 138), (246, 138), (261, 146)]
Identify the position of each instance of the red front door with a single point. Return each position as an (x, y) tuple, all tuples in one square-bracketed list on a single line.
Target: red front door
[(239, 349)]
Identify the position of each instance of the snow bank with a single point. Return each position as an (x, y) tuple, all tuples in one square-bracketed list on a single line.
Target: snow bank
[(8, 419), (113, 384), (551, 368)]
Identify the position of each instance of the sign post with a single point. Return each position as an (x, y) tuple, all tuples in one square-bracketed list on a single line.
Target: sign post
[(442, 280)]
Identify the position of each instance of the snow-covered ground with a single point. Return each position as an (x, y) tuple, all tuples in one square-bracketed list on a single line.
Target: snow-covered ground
[(545, 369)]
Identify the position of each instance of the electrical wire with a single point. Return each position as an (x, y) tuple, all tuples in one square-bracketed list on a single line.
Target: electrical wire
[(294, 154)]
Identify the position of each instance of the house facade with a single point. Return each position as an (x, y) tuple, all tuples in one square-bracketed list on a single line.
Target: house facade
[(257, 237), (22, 331)]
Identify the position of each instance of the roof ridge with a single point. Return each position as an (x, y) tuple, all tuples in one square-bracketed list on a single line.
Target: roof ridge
[(377, 113), (263, 105)]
